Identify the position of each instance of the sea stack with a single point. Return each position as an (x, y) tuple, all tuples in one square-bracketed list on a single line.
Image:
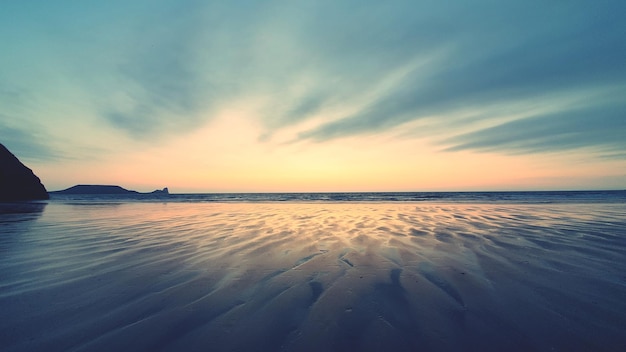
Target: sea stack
[(163, 191), (18, 182)]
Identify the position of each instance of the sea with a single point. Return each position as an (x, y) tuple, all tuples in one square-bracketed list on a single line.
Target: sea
[(453, 197), (408, 271)]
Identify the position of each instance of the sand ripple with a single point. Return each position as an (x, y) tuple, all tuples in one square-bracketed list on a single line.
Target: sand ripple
[(312, 277)]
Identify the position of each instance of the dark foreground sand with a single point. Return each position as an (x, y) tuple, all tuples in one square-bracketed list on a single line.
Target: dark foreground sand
[(314, 277)]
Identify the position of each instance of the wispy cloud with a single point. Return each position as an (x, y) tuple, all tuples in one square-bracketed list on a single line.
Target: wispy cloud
[(595, 126), (510, 58), (164, 69), (157, 86), (27, 145)]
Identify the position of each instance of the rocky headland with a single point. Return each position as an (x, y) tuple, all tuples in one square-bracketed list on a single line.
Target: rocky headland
[(18, 182)]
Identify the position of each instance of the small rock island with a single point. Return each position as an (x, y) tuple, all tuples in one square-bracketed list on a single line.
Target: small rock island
[(18, 182)]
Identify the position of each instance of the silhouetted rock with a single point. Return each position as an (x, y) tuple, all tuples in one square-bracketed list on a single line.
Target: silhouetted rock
[(163, 191), (105, 189), (95, 189), (18, 182)]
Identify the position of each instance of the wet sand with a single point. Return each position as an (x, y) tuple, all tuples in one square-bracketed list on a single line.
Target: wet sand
[(313, 277)]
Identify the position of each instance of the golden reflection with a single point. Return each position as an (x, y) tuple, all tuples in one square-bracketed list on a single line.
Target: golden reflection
[(318, 275)]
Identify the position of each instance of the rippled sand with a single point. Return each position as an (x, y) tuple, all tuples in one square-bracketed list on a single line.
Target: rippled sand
[(313, 277)]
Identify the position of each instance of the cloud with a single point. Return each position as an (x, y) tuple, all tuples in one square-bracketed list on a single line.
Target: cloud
[(304, 108), (26, 144), (602, 127), (519, 57), (28, 140), (364, 66), (158, 88), (169, 70)]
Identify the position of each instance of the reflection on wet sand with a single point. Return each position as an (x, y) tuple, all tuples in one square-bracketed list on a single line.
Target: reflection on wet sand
[(21, 208), (321, 276)]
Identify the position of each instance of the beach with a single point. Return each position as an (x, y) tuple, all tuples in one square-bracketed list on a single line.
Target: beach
[(313, 276)]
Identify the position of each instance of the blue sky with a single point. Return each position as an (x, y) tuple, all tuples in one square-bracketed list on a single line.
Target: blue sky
[(316, 95)]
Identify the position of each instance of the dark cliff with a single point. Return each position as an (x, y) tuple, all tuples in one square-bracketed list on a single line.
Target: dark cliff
[(18, 182)]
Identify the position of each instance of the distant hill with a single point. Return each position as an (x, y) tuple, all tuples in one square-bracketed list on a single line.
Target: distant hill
[(104, 189)]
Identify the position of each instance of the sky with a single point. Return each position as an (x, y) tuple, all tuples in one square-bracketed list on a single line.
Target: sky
[(316, 96)]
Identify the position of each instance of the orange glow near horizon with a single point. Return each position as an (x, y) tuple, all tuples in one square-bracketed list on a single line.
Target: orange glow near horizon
[(214, 159), (280, 97)]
